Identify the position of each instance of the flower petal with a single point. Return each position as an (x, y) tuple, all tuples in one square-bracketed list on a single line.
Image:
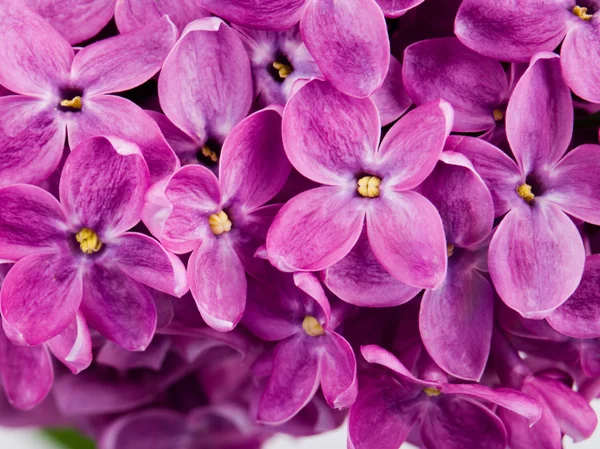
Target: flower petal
[(536, 259), (40, 296), (35, 58), (253, 166), (391, 98), (315, 229), (218, 283), (108, 115), (407, 237), (296, 363), (396, 8), (360, 279), (32, 139), (146, 261), (124, 61), (539, 117), (118, 307), (574, 184), (205, 86), (133, 14), (25, 372), (338, 371), (184, 146), (579, 60), (73, 346), (103, 189), (444, 68), (411, 148), (272, 15), (349, 43), (521, 435), (31, 221), (329, 137)]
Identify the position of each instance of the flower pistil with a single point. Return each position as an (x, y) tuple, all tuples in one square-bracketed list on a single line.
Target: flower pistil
[(431, 391), (312, 327), (524, 191), (368, 186), (75, 103), (219, 223), (89, 242), (581, 12), (284, 70)]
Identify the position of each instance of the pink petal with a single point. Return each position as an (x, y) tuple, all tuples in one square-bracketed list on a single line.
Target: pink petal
[(407, 237), (338, 372), (146, 261), (544, 433), (198, 90), (73, 346), (579, 60), (349, 43), (32, 139), (272, 15), (134, 14), (391, 98), (31, 221), (184, 146), (102, 189), (40, 296), (536, 259), (329, 137), (315, 229), (411, 148), (118, 307), (253, 166), (218, 283), (124, 61), (396, 8), (539, 117), (36, 60), (107, 115)]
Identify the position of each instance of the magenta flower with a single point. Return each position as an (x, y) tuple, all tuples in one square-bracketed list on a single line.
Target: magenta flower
[(332, 139), (62, 94), (223, 221), (513, 31), (451, 416), (536, 256), (309, 351), (133, 14), (76, 254), (352, 52)]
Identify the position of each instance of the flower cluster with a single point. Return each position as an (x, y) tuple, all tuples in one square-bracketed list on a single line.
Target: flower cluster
[(225, 219)]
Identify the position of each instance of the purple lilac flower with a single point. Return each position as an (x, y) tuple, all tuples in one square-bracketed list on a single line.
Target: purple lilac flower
[(76, 254), (62, 94), (536, 256), (352, 52), (133, 14), (515, 31), (332, 139)]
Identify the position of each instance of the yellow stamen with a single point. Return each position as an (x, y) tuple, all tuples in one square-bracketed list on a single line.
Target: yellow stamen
[(431, 391), (211, 154), (498, 115), (450, 249), (219, 223), (75, 103), (89, 242), (524, 191), (581, 12), (312, 327), (368, 186), (284, 69)]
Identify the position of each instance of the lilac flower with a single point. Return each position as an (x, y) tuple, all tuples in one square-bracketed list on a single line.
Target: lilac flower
[(65, 94), (536, 256), (352, 52), (451, 416), (332, 139), (76, 254), (223, 221), (515, 31), (133, 14), (308, 349)]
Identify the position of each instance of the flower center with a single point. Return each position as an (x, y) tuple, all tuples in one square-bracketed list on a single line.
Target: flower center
[(524, 191), (450, 249), (312, 327), (582, 13), (89, 242), (498, 115), (431, 391), (219, 223), (209, 153), (368, 186), (75, 103), (281, 68)]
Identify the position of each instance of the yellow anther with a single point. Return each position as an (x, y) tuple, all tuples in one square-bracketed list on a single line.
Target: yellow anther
[(219, 223), (368, 186), (312, 327), (524, 191), (431, 391), (498, 115), (581, 12), (89, 242), (284, 70), (75, 103), (450, 249), (211, 154)]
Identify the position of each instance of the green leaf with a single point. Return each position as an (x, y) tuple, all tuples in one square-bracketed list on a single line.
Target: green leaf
[(69, 438)]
